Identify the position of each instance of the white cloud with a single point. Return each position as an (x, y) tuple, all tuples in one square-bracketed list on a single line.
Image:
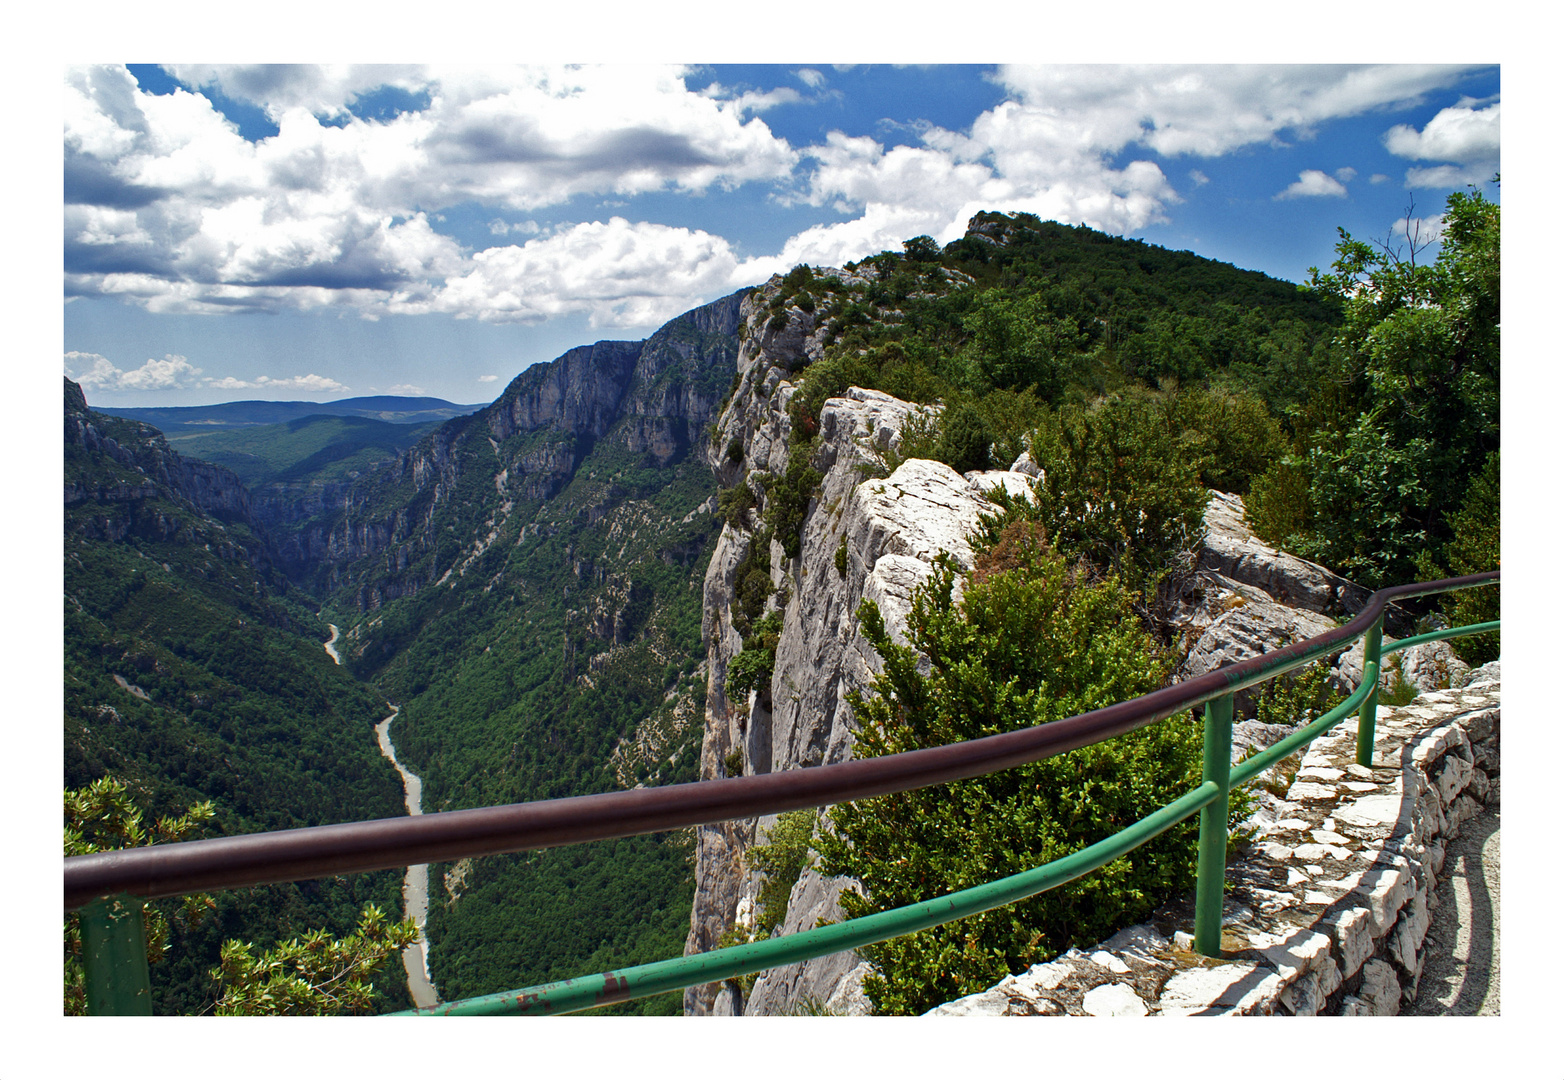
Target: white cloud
[(1200, 178), (97, 372), (312, 383), (488, 378), (409, 390), (1346, 174), (1451, 176), (1459, 134), (619, 273), (1311, 183), (170, 206), (173, 210), (1379, 178)]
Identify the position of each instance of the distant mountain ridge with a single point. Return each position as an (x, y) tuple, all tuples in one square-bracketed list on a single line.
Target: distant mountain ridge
[(173, 421)]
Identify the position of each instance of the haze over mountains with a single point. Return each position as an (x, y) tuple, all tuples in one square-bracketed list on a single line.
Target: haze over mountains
[(174, 421)]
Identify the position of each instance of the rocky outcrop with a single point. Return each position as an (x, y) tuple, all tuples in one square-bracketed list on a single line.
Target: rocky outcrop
[(121, 479), (867, 533), (1327, 912), (1248, 598)]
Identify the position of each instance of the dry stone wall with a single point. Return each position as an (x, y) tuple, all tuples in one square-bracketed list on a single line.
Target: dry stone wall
[(1327, 911)]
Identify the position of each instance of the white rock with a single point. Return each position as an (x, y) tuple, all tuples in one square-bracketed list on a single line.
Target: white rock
[(1241, 989), (1381, 991), (1113, 999)]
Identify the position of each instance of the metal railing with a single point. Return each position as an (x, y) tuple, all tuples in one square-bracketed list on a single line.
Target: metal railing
[(108, 886)]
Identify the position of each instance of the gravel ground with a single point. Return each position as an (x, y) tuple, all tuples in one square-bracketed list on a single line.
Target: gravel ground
[(1461, 958)]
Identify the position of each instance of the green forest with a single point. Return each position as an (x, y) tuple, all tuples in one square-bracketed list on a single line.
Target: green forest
[(193, 672)]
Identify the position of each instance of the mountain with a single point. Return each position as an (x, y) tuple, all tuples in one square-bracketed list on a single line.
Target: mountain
[(176, 421), (525, 584), (555, 588), (194, 671)]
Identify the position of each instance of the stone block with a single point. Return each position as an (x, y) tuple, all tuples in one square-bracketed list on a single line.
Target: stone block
[(1312, 794), (1104, 959), (1304, 997), (1386, 889), (1294, 954), (1372, 812), (1453, 776), (1113, 999), (1381, 990), (1353, 933), (1242, 989)]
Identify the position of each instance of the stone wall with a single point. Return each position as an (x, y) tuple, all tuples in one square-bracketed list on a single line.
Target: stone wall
[(1326, 912)]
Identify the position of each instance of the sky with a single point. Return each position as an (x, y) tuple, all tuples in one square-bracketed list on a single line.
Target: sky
[(238, 231)]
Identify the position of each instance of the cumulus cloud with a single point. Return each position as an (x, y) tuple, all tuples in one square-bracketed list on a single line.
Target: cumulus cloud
[(488, 378), (1458, 134), (96, 372), (1311, 183), (1467, 139), (170, 208), (618, 272)]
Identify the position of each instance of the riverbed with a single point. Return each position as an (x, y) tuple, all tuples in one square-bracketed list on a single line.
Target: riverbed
[(415, 885)]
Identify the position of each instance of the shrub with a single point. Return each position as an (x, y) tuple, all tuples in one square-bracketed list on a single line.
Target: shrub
[(1116, 491), (782, 859), (1028, 642)]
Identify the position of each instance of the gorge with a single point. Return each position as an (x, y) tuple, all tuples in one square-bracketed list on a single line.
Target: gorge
[(644, 563)]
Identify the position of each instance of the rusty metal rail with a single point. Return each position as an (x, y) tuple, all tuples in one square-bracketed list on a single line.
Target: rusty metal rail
[(300, 854)]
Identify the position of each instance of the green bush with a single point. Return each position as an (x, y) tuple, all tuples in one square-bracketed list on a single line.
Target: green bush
[(1116, 490), (782, 859), (1030, 641)]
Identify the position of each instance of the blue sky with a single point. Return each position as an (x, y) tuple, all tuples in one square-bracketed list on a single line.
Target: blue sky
[(257, 231)]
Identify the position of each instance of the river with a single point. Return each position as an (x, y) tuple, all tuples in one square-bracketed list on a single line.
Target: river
[(415, 886)]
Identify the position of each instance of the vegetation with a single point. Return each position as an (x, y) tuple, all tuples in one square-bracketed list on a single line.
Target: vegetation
[(194, 675), (315, 976), (1390, 441), (319, 976), (1030, 640)]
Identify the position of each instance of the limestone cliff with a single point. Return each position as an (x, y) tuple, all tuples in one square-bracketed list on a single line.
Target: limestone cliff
[(382, 537), (865, 535)]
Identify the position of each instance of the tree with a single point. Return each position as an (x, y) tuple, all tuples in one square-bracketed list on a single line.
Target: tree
[(318, 976), (1393, 438), (1117, 489), (103, 817), (1030, 640)]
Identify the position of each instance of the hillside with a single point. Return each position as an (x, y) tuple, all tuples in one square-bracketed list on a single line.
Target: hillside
[(642, 563), (525, 584), (194, 671)]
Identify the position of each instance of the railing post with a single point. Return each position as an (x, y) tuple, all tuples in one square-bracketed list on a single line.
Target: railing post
[(1211, 874), (1368, 711), (114, 958)]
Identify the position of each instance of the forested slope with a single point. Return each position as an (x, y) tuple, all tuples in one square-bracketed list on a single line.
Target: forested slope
[(193, 672)]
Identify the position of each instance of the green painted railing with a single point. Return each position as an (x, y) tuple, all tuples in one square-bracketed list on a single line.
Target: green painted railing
[(116, 966)]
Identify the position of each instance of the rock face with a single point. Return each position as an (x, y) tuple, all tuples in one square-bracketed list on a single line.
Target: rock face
[(873, 534), (146, 483), (1249, 598), (862, 538), (650, 397)]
